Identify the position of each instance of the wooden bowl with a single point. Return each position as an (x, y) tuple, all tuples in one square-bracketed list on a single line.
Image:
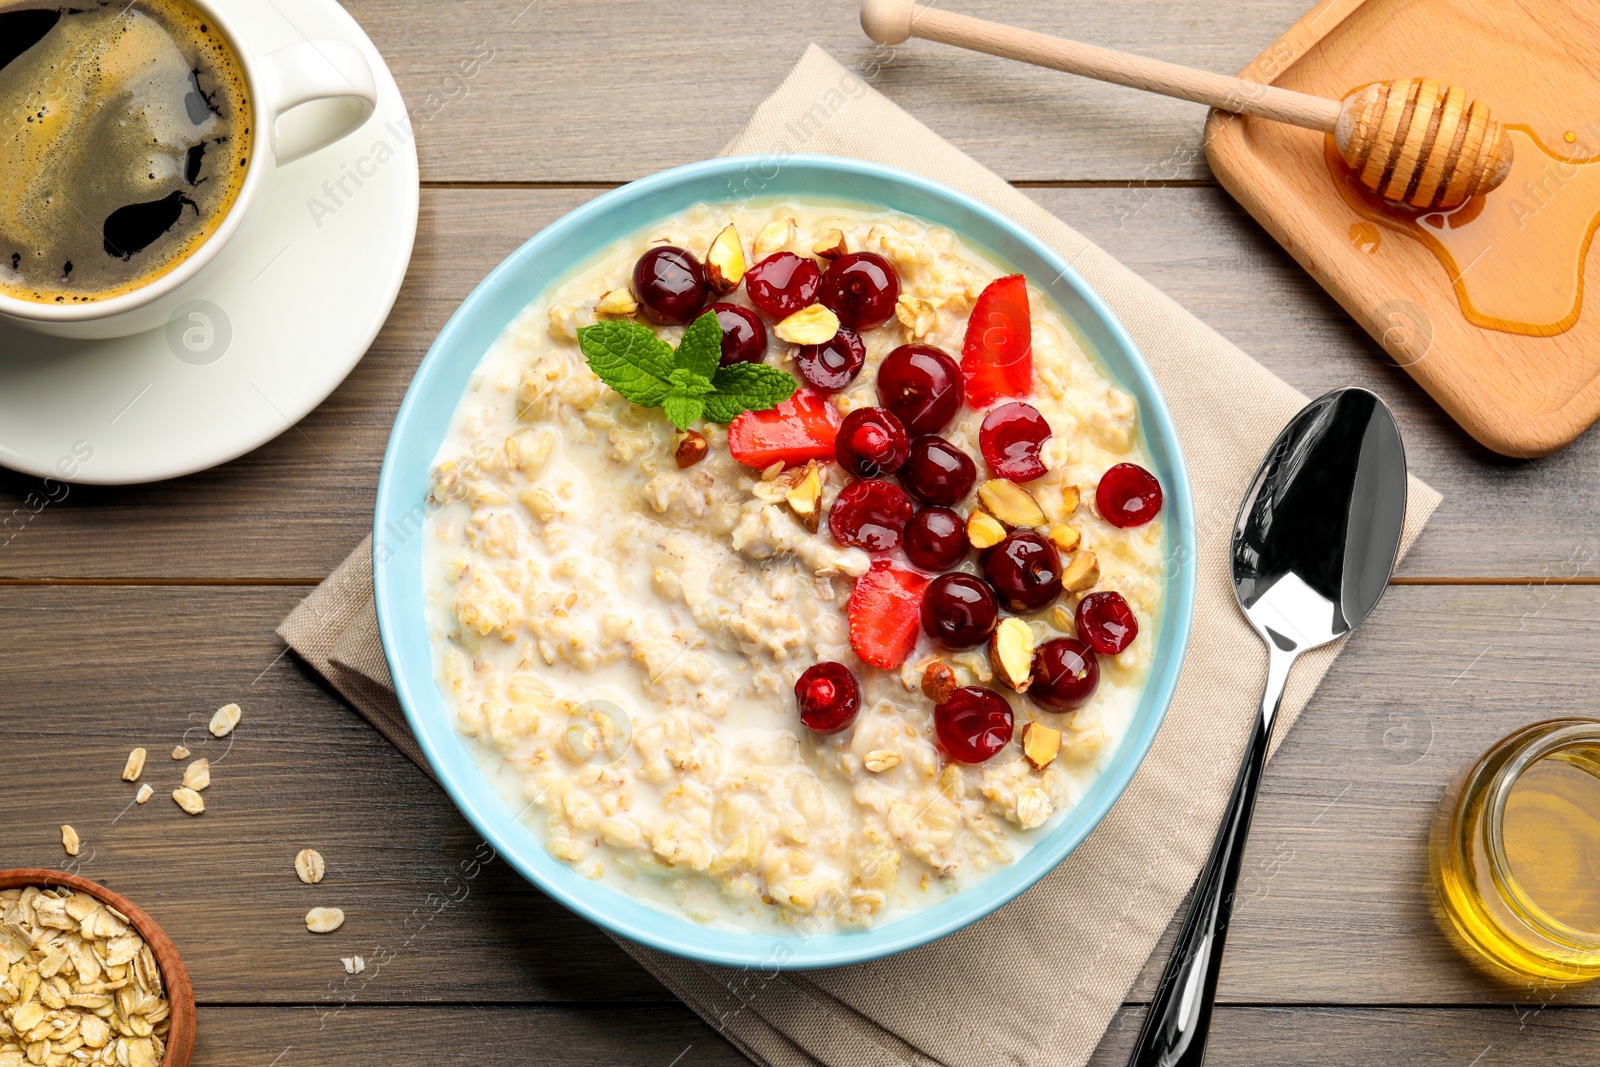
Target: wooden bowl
[(180, 993)]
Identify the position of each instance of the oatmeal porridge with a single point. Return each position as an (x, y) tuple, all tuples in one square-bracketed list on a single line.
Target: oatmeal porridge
[(793, 566)]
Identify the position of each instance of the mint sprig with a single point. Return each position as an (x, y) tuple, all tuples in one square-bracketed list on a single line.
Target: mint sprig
[(686, 383)]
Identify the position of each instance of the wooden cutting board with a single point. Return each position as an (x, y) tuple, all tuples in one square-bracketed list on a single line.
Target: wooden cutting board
[(1537, 66)]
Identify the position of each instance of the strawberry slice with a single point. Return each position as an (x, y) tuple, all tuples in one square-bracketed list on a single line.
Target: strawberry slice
[(799, 429), (997, 358), (885, 614)]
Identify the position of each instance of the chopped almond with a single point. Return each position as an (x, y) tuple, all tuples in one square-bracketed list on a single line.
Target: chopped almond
[(725, 260), (1065, 537), (691, 449), (830, 245), (1069, 499), (813, 325), (774, 237), (805, 496), (1081, 573), (1011, 653), (1010, 503), (1040, 743), (616, 302), (984, 530), (938, 682)]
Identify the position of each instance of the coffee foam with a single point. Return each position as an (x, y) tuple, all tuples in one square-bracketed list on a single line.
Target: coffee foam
[(99, 114)]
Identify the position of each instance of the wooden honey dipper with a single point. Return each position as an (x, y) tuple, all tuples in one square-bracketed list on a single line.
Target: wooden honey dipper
[(1410, 140)]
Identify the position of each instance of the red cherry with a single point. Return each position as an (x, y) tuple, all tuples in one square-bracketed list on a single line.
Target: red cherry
[(1011, 438), (670, 285), (922, 385), (997, 358), (831, 366), (959, 611), (1106, 622), (936, 539), (829, 697), (783, 283), (870, 515), (973, 724), (938, 472), (860, 288), (871, 443), (1128, 495), (744, 335), (1025, 571), (1065, 673)]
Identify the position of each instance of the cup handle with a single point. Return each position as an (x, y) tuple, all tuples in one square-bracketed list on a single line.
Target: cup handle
[(317, 70)]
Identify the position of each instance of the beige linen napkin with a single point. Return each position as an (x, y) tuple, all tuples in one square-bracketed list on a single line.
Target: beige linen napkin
[(1036, 982)]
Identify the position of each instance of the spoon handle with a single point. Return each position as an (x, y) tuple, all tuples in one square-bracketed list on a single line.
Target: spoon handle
[(1174, 1032)]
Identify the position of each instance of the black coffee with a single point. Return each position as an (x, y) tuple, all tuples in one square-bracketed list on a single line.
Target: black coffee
[(125, 131)]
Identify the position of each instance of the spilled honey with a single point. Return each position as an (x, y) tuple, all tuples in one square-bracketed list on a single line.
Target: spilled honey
[(1551, 832), (1515, 258)]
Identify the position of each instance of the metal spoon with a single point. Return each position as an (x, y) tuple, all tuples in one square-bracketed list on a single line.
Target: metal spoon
[(1313, 548)]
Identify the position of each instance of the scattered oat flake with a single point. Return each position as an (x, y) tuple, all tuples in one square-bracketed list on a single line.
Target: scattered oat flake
[(189, 800), (179, 752), (223, 722), (309, 865), (353, 964), (134, 767), (324, 920), (69, 839), (197, 775), (144, 794)]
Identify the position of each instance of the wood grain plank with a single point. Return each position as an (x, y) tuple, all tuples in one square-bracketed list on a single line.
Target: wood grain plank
[(1333, 909)]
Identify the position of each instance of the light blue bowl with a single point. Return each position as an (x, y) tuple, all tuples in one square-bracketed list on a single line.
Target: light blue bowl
[(424, 418)]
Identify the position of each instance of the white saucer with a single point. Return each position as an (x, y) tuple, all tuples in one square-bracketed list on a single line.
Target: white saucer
[(279, 332)]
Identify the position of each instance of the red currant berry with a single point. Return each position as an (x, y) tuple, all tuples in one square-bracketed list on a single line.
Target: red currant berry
[(1025, 571), (922, 385), (744, 335), (936, 539), (860, 288), (1065, 672), (871, 443), (829, 697), (1106, 623), (783, 283), (831, 366), (1010, 439), (870, 515), (670, 285), (973, 724), (959, 611), (938, 472), (1128, 495)]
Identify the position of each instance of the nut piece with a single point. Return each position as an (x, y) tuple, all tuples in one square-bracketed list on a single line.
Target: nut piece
[(1010, 503), (1065, 537), (309, 865), (1011, 653), (324, 920), (188, 800), (830, 245), (881, 759), (725, 260), (938, 682), (1040, 743), (197, 775), (353, 964), (179, 752), (223, 722), (1081, 573), (691, 449), (918, 315), (135, 765), (616, 302), (983, 530), (805, 496), (144, 794), (69, 839), (814, 325), (1069, 499), (774, 237)]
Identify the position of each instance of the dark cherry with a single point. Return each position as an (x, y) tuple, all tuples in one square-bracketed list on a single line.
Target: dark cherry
[(744, 335), (670, 285), (922, 385), (831, 366), (783, 283), (871, 443), (1065, 672), (959, 611), (938, 472), (973, 724), (870, 515), (829, 697), (1106, 623), (1128, 495), (1010, 439), (936, 539), (1025, 571), (860, 288)]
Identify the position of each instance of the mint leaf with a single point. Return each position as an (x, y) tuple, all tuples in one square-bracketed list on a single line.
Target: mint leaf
[(629, 358), (682, 410), (700, 350), (744, 387), (687, 381)]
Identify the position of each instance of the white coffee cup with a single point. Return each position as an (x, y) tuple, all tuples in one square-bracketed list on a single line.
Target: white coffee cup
[(278, 81)]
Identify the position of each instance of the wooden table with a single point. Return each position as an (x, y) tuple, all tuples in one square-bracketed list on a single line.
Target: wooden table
[(127, 615)]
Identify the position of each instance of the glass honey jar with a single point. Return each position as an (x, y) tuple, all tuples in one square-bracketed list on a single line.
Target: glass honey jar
[(1515, 854)]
